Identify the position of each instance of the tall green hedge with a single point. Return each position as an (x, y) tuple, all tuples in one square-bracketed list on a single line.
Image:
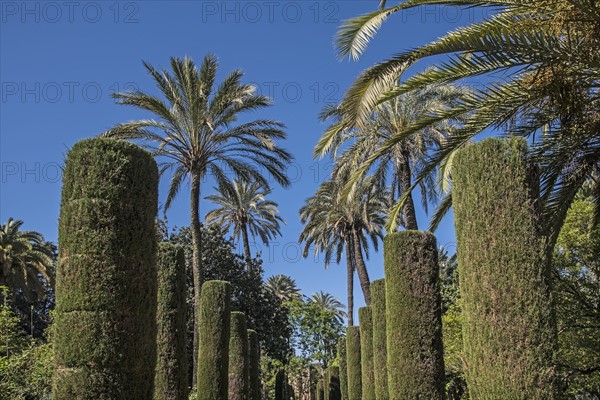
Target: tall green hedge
[(105, 345), (280, 385), (365, 319), (213, 353), (326, 377), (253, 365), (353, 363), (171, 379), (341, 353), (508, 324), (379, 339), (333, 379), (238, 357), (413, 317), (320, 390)]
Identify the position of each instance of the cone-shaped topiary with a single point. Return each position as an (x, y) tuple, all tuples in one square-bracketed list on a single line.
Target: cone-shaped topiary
[(379, 339), (366, 353), (105, 342), (508, 324), (253, 365), (413, 317), (280, 385), (213, 354), (341, 353), (353, 363), (238, 357), (171, 379), (334, 392)]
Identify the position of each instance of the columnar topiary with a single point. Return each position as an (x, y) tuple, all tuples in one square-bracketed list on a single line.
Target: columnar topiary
[(334, 392), (341, 353), (326, 376), (366, 353), (508, 325), (171, 379), (353, 363), (238, 357), (213, 354), (413, 317), (280, 385), (320, 390), (253, 365), (379, 339), (105, 343)]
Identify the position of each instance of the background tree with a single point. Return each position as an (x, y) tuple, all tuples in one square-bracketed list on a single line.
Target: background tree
[(284, 287), (329, 302)]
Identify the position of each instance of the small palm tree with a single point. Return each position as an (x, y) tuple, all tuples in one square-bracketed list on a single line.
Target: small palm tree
[(284, 287), (330, 303), (244, 207), (196, 132), (26, 261)]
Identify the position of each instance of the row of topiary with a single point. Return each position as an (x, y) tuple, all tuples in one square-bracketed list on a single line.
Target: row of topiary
[(120, 301), (509, 334)]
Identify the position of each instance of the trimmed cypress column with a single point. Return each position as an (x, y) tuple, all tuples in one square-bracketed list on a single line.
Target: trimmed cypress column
[(238, 357), (280, 385), (320, 390), (253, 365), (366, 353), (379, 339), (105, 341), (334, 392), (171, 379), (341, 351), (353, 363), (213, 354), (413, 317), (508, 323), (326, 378)]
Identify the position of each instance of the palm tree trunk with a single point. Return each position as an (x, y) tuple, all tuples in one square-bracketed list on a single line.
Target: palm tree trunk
[(350, 272), (246, 246), (196, 262), (361, 268), (410, 216)]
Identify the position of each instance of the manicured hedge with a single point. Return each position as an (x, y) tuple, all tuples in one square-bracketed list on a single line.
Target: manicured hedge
[(105, 323), (253, 365), (341, 352), (379, 339), (326, 377), (353, 363), (366, 353), (508, 324), (238, 357), (333, 378), (320, 390), (413, 317), (213, 354), (171, 379), (280, 385)]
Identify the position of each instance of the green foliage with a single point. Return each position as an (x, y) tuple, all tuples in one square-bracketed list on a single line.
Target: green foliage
[(280, 385), (343, 367), (320, 390), (238, 357), (171, 379), (453, 347), (378, 306), (353, 363), (414, 328), (334, 391), (105, 324), (253, 366), (213, 352), (508, 326), (366, 353)]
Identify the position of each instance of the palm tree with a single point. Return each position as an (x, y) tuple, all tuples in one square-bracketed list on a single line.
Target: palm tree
[(283, 287), (243, 206), (541, 61), (334, 223), (196, 132), (328, 302), (26, 261)]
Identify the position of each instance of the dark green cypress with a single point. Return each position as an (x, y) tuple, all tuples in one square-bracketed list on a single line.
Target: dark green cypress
[(171, 379), (320, 390), (334, 392), (508, 323), (280, 383), (253, 365), (366, 353), (105, 342), (238, 357), (413, 317), (213, 353), (353, 363), (379, 339), (326, 384), (341, 352)]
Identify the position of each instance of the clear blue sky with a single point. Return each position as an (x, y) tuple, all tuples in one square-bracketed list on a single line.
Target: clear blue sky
[(61, 61)]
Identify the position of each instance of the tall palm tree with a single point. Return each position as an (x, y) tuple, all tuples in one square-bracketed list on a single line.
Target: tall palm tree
[(284, 287), (243, 206), (541, 61), (335, 224), (196, 132), (330, 303), (26, 261)]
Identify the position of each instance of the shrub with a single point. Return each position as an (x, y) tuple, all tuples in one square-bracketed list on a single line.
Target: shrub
[(238, 357), (341, 353), (334, 392), (366, 353), (353, 363), (379, 339), (253, 366)]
